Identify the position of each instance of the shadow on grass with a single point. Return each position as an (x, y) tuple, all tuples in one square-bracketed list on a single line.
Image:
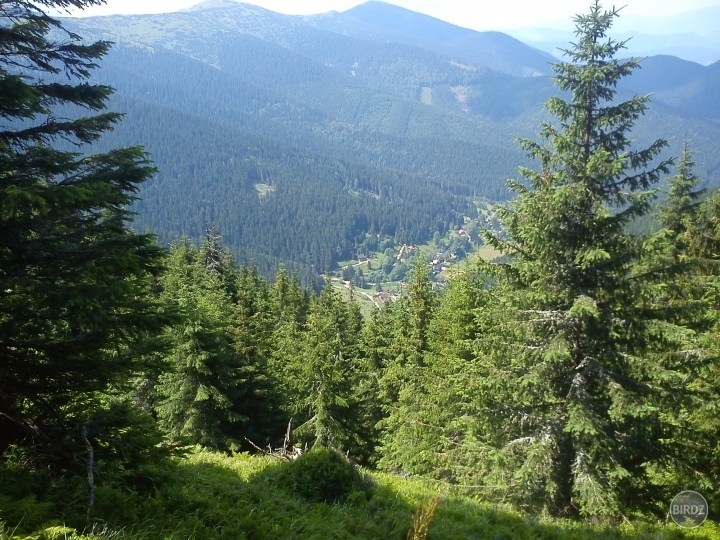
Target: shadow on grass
[(215, 496)]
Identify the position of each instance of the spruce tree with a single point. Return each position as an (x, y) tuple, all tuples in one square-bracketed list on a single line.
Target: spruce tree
[(289, 308), (581, 374), (683, 199), (689, 244), (374, 344), (251, 337), (704, 245), (289, 302), (668, 258), (76, 310), (404, 442), (219, 261), (202, 393), (447, 392), (326, 367)]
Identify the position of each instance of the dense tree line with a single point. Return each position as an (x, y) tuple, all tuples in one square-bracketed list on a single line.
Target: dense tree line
[(578, 377)]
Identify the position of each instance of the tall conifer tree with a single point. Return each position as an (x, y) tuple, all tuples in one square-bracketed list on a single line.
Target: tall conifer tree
[(683, 200), (75, 302), (251, 335), (688, 251), (325, 363), (403, 439), (201, 395), (582, 374)]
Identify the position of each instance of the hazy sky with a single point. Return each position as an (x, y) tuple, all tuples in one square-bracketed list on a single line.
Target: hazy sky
[(475, 14)]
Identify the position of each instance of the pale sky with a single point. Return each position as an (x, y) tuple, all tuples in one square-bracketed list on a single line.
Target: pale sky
[(475, 14)]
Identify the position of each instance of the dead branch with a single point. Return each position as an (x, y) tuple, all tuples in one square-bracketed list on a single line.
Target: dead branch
[(287, 452), (90, 461)]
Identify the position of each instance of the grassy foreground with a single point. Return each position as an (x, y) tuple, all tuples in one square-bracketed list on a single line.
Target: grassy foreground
[(211, 495)]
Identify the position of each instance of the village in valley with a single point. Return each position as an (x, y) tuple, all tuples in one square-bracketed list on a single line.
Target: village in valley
[(376, 278)]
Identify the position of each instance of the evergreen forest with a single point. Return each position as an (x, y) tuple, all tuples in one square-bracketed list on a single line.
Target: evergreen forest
[(567, 387)]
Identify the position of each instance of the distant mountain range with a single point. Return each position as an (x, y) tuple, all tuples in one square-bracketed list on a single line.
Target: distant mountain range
[(693, 35), (307, 138)]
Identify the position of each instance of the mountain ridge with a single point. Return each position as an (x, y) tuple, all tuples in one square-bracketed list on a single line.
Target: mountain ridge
[(387, 22), (210, 4)]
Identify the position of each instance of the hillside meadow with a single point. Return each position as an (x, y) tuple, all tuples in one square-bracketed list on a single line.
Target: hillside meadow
[(210, 495)]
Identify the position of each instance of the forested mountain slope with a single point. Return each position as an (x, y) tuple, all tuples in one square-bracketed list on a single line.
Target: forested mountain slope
[(279, 200), (374, 121)]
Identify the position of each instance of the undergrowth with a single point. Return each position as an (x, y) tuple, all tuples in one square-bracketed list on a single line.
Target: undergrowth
[(321, 495)]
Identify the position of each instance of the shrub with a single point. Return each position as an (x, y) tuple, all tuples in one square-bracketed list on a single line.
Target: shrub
[(321, 475)]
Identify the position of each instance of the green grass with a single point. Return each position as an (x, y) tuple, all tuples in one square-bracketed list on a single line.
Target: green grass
[(211, 495), (488, 252), (360, 296)]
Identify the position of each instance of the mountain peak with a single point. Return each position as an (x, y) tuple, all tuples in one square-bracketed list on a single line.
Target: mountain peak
[(399, 19), (212, 4)]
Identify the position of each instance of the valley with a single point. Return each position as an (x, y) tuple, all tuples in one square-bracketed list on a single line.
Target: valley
[(360, 126)]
